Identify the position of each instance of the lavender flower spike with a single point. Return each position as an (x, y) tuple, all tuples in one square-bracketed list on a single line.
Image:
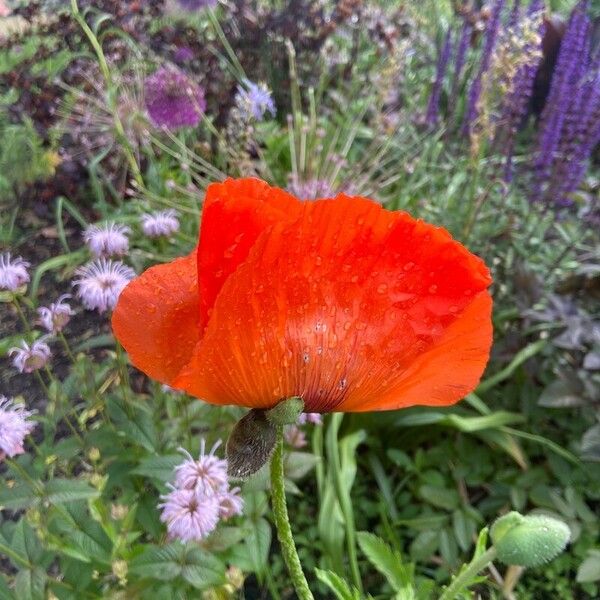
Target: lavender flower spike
[(434, 99), (461, 54)]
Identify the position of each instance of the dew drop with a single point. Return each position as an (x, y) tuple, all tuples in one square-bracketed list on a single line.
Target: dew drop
[(408, 266), (433, 289), (354, 278), (382, 288)]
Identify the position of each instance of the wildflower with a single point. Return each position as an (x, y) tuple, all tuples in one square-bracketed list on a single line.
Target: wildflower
[(311, 189), (13, 272), (101, 282), (230, 503), (107, 240), (161, 223), (54, 318), (294, 436), (173, 100), (192, 5), (341, 302), (30, 357), (183, 54), (434, 100), (14, 426), (254, 100), (189, 514), (208, 473), (314, 418)]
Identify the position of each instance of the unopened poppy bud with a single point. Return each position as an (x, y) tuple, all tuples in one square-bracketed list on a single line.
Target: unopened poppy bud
[(287, 411), (529, 541)]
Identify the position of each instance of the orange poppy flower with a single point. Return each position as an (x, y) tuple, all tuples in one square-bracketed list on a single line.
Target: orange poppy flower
[(338, 301)]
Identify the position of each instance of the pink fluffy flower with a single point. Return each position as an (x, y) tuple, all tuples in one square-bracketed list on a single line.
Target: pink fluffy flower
[(230, 503), (314, 418), (14, 427), (101, 282), (294, 436), (53, 318), (208, 473), (161, 223), (109, 239), (190, 515), (30, 357), (13, 272)]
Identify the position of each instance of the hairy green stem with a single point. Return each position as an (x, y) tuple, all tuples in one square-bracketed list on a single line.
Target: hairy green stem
[(282, 522), (462, 580)]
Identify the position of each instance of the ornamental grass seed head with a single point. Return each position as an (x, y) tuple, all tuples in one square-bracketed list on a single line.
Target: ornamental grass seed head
[(13, 272), (14, 427), (101, 282), (109, 239), (340, 302), (28, 358)]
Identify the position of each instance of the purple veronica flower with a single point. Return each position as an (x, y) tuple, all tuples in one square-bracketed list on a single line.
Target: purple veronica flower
[(161, 223), (173, 100), (190, 515), (207, 474), (30, 357), (13, 272), (107, 240), (101, 282), (53, 318), (254, 100), (491, 35), (434, 99), (14, 427)]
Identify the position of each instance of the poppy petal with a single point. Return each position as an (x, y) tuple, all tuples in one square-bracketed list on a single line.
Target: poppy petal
[(234, 214), (347, 307), (156, 318)]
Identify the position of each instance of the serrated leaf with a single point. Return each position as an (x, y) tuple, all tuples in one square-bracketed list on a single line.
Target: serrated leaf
[(30, 584), (337, 585), (26, 543), (158, 467), (388, 562), (203, 570), (19, 496), (58, 491), (157, 562)]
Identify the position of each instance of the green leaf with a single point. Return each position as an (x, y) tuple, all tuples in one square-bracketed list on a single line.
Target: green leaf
[(21, 495), (441, 497), (58, 491), (30, 584), (26, 543), (135, 422), (203, 570), (337, 585), (5, 593), (298, 464), (158, 467), (589, 570), (388, 562), (157, 562)]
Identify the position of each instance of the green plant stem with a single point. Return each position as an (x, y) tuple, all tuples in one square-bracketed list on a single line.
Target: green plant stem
[(465, 577), (282, 522)]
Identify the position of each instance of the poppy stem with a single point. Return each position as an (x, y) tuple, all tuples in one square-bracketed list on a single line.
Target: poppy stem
[(282, 522)]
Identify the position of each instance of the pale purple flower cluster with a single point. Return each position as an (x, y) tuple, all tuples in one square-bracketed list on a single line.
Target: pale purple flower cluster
[(432, 115), (13, 272), (107, 240), (161, 223), (55, 317), (295, 436), (311, 189), (173, 100), (101, 282), (570, 121), (200, 497), (14, 427), (30, 357), (254, 100)]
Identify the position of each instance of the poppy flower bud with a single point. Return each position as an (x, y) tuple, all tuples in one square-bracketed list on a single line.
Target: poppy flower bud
[(287, 411), (529, 541)]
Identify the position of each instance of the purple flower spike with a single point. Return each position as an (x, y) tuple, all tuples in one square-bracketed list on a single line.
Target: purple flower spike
[(14, 427), (173, 100), (434, 99), (461, 54), (491, 35)]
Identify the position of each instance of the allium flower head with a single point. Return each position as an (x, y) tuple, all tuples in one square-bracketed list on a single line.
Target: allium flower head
[(173, 100), (109, 239), (101, 282), (208, 473), (254, 100), (230, 503), (14, 426), (53, 318), (161, 223), (13, 272), (30, 357), (189, 514)]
